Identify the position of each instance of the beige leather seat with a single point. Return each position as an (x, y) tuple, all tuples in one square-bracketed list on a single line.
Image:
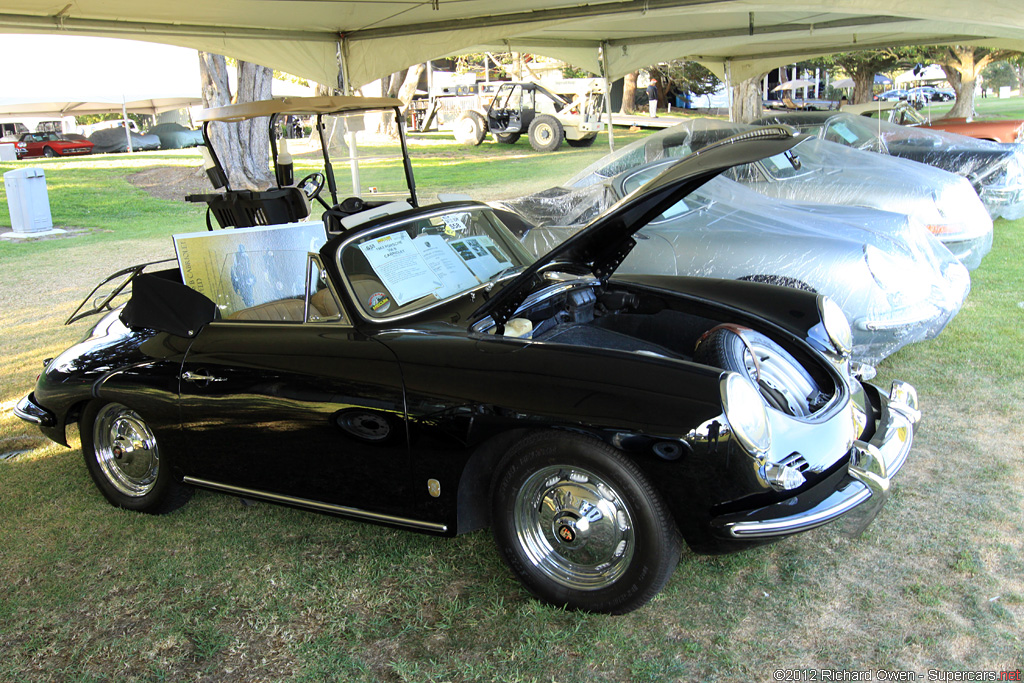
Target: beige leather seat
[(292, 310)]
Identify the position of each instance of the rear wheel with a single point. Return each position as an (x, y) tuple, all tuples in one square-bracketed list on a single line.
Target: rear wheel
[(123, 458), (545, 133), (581, 526), (470, 128), (582, 142)]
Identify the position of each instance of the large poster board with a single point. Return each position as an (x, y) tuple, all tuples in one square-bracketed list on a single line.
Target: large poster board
[(244, 267)]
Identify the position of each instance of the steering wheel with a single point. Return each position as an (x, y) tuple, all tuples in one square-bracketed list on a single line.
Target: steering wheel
[(312, 185)]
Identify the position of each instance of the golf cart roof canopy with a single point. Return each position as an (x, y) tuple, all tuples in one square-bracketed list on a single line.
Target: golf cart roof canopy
[(297, 105)]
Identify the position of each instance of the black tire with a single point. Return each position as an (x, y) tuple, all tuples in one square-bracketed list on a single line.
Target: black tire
[(507, 138), (582, 142), (470, 128), (782, 381), (48, 152), (124, 461), (580, 525), (780, 281), (545, 133)]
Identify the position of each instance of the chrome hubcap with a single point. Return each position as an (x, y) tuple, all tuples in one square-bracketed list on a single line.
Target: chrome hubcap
[(125, 450), (574, 527)]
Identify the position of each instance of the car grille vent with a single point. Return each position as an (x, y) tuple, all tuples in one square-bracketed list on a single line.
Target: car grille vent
[(796, 460)]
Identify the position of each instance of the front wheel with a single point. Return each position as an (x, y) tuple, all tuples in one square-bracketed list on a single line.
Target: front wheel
[(48, 152), (545, 133), (123, 458), (581, 526)]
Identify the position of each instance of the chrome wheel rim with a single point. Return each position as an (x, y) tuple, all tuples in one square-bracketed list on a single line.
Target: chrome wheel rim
[(125, 449), (779, 373), (574, 527)]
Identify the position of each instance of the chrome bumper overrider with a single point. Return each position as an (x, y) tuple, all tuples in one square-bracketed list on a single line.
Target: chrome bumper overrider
[(28, 411), (866, 489)]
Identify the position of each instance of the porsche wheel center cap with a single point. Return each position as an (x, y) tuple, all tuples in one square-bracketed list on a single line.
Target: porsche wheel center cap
[(571, 532)]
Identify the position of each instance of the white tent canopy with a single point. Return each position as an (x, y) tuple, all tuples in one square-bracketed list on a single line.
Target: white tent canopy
[(371, 38), (33, 106)]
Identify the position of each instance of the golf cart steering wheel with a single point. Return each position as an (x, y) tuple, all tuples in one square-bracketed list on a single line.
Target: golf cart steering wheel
[(312, 185)]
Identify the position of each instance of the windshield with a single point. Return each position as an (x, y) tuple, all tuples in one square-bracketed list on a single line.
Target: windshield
[(853, 131), (428, 258)]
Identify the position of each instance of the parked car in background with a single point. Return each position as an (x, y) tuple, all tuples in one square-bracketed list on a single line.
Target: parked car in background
[(894, 281), (995, 170), (29, 145), (176, 136), (995, 130), (829, 173), (420, 369), (895, 95), (113, 140)]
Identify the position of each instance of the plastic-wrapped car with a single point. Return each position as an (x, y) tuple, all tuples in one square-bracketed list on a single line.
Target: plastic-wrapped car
[(828, 173), (995, 169), (894, 281), (113, 140)]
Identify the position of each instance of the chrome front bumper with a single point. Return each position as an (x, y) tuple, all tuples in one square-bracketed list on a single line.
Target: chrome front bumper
[(863, 491), (29, 411)]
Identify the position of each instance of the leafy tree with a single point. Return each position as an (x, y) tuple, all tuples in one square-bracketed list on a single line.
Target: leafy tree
[(963, 64), (999, 74), (862, 67)]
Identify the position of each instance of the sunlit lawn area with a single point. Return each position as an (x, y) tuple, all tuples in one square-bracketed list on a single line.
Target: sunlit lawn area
[(225, 591)]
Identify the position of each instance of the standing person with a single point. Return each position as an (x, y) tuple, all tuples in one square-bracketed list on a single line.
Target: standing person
[(652, 97)]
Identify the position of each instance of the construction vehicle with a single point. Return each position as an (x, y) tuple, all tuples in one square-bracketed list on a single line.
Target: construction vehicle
[(544, 115)]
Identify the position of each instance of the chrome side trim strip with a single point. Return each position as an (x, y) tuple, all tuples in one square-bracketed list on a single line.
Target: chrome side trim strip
[(317, 505)]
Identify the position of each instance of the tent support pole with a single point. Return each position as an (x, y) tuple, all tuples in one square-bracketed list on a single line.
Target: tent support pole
[(603, 50), (124, 120)]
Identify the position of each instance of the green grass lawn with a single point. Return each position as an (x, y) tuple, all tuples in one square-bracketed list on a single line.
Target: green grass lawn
[(225, 591)]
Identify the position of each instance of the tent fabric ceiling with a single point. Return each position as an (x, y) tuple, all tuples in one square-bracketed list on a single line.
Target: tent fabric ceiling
[(31, 106), (304, 37)]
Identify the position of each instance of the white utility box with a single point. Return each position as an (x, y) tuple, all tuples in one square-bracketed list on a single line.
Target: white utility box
[(28, 200), (7, 152)]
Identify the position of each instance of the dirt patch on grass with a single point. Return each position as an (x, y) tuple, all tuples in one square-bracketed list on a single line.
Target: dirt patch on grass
[(172, 182)]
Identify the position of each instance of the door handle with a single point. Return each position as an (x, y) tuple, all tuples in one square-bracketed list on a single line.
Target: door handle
[(196, 377)]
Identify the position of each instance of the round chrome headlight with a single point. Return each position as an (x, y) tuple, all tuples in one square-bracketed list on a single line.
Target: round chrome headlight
[(745, 411), (837, 327)]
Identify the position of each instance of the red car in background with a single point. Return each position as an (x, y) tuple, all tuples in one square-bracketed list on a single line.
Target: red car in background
[(996, 130), (49, 145)]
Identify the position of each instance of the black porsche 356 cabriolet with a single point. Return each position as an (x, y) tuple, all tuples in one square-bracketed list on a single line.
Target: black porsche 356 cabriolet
[(427, 372)]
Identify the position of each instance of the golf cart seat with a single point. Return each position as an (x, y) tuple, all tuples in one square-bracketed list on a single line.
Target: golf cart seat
[(248, 208)]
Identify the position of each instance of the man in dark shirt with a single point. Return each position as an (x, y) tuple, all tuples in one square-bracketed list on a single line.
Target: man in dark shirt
[(652, 97)]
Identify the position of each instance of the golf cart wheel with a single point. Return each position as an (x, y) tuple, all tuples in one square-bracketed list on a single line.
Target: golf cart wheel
[(582, 142), (546, 133), (507, 138), (581, 525), (470, 128), (124, 461)]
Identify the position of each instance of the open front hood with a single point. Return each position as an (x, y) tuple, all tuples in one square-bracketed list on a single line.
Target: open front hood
[(604, 244)]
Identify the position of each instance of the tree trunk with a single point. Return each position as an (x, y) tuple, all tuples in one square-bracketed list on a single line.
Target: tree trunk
[(253, 134), (243, 149), (402, 85), (662, 85), (863, 85), (628, 105), (963, 64), (746, 100)]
